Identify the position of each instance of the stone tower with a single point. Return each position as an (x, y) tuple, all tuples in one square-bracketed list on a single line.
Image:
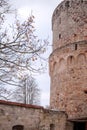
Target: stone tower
[(68, 61)]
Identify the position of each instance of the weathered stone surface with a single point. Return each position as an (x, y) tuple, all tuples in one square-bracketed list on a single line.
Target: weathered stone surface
[(69, 22), (30, 116), (68, 72), (68, 61)]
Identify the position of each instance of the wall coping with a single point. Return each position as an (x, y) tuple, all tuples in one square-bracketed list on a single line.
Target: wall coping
[(3, 102), (80, 119), (9, 103)]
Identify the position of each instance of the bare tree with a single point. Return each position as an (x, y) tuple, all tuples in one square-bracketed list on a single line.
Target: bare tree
[(20, 48), (28, 92)]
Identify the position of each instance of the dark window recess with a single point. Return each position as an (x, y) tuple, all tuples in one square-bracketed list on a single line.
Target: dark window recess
[(71, 58), (75, 46), (75, 35), (67, 4), (59, 36), (18, 127), (85, 91), (79, 126), (59, 20), (52, 127), (57, 11), (81, 1)]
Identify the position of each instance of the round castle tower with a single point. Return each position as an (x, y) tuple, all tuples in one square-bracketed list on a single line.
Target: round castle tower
[(68, 61)]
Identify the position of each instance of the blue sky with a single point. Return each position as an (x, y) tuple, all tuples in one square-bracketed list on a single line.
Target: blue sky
[(42, 10)]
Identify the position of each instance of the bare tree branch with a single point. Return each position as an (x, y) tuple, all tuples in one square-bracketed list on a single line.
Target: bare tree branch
[(20, 52), (28, 93)]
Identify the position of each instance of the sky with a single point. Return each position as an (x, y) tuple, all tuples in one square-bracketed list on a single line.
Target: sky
[(42, 10)]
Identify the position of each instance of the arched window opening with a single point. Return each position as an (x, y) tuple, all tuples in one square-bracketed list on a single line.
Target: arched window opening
[(70, 60), (55, 67), (52, 127), (81, 59), (18, 127), (61, 64)]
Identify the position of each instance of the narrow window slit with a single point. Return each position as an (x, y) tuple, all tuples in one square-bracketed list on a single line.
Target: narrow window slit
[(59, 36), (75, 46)]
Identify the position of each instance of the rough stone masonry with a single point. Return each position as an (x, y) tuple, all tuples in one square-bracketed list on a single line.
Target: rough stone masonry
[(68, 61), (68, 72)]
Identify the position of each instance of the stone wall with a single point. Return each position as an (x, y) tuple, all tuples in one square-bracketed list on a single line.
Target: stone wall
[(30, 117), (68, 71), (68, 61), (69, 22)]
